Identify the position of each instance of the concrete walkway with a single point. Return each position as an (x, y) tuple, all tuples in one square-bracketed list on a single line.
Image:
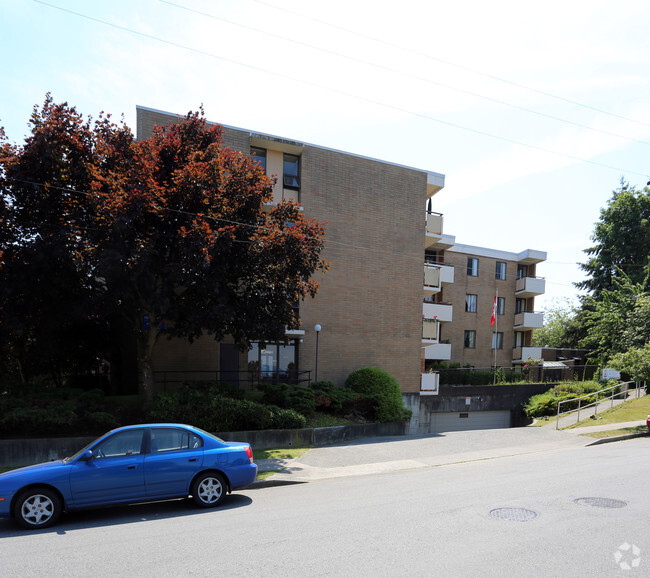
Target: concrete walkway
[(389, 454)]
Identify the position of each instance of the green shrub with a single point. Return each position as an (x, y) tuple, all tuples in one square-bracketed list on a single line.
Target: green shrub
[(211, 411), (39, 411), (382, 388), (288, 419), (545, 404)]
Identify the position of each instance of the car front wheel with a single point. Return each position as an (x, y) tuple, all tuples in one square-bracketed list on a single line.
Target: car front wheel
[(208, 490), (37, 508)]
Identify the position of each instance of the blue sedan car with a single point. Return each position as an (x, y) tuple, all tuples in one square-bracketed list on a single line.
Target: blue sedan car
[(131, 464)]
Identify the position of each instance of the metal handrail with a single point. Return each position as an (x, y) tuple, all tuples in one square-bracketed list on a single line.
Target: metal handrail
[(595, 403)]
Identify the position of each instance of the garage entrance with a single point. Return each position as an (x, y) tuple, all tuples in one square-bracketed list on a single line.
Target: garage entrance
[(468, 420)]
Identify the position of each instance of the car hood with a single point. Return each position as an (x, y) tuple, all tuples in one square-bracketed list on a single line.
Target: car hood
[(27, 469)]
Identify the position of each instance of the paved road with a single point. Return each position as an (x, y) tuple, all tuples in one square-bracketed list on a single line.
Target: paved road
[(425, 521)]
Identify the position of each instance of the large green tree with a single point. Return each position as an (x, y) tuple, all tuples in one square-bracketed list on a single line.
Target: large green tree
[(170, 233), (559, 321), (621, 241)]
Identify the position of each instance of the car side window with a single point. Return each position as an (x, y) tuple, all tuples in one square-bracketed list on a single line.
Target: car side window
[(169, 439), (126, 443)]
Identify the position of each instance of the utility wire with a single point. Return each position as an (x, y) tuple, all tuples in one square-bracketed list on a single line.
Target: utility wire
[(342, 92), (449, 63), (403, 73)]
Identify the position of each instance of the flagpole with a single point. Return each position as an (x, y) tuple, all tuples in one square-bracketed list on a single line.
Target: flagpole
[(496, 332)]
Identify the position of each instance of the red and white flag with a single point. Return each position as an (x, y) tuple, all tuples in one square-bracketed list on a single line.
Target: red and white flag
[(494, 310)]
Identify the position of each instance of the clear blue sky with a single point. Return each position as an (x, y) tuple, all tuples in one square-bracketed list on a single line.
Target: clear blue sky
[(533, 112)]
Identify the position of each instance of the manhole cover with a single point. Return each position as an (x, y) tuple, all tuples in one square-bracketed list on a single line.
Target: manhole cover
[(514, 514), (601, 502)]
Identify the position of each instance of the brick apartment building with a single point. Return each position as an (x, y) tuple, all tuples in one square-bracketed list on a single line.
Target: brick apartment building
[(373, 307)]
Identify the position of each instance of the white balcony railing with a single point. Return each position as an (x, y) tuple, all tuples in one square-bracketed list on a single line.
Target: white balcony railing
[(438, 311), (523, 353), (441, 351), (528, 320), (530, 286), (429, 384)]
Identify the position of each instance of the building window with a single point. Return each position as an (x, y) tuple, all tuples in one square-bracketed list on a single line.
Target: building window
[(470, 339), (260, 156), (497, 340), (291, 172), (501, 271), (501, 305), (472, 266), (470, 303), (520, 306), (519, 338), (522, 271), (272, 362)]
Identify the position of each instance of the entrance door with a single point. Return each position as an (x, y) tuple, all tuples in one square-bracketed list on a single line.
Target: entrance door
[(229, 363)]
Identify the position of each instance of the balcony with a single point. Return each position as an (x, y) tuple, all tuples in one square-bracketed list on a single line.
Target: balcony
[(438, 311), (440, 351), (429, 383), (526, 320), (521, 354), (430, 331), (530, 286), (434, 276), (433, 229)]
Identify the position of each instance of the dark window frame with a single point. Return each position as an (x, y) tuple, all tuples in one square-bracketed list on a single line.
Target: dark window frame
[(469, 339), (500, 273), (291, 179), (472, 266), (260, 156)]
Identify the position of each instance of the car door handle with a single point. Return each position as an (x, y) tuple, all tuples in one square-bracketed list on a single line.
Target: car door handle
[(192, 460), (131, 467)]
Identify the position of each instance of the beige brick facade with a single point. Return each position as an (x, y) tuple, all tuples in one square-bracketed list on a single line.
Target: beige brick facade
[(370, 301)]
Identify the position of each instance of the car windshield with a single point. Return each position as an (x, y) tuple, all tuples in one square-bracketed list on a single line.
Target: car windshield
[(81, 451)]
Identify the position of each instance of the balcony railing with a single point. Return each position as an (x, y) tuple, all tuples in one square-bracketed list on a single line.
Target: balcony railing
[(523, 353), (439, 351), (530, 286), (438, 311), (430, 330), (433, 228), (429, 383), (527, 320)]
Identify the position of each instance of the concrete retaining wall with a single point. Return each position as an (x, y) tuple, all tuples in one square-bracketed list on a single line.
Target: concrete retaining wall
[(24, 452)]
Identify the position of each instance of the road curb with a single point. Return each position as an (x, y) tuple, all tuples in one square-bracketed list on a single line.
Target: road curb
[(618, 438)]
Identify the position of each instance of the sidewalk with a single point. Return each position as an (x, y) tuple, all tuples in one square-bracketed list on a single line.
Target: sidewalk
[(389, 454)]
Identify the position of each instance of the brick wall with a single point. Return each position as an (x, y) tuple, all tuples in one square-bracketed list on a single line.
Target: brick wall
[(369, 303), (484, 286)]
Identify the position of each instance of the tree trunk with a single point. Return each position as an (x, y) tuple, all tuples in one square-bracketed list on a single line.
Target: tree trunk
[(146, 340)]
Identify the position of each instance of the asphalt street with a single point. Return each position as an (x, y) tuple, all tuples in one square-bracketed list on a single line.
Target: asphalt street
[(538, 503)]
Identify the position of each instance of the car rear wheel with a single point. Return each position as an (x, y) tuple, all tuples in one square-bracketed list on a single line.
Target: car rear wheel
[(37, 508), (208, 490)]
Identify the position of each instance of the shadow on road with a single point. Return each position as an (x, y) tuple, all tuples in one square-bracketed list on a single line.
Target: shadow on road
[(120, 515)]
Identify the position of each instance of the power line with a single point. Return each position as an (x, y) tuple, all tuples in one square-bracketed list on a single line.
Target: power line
[(402, 72), (342, 92), (453, 64)]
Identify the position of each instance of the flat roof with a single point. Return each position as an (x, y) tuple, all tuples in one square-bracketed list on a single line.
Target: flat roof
[(437, 180), (529, 256)]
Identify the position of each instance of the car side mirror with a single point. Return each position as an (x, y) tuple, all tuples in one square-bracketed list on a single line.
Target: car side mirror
[(87, 455)]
